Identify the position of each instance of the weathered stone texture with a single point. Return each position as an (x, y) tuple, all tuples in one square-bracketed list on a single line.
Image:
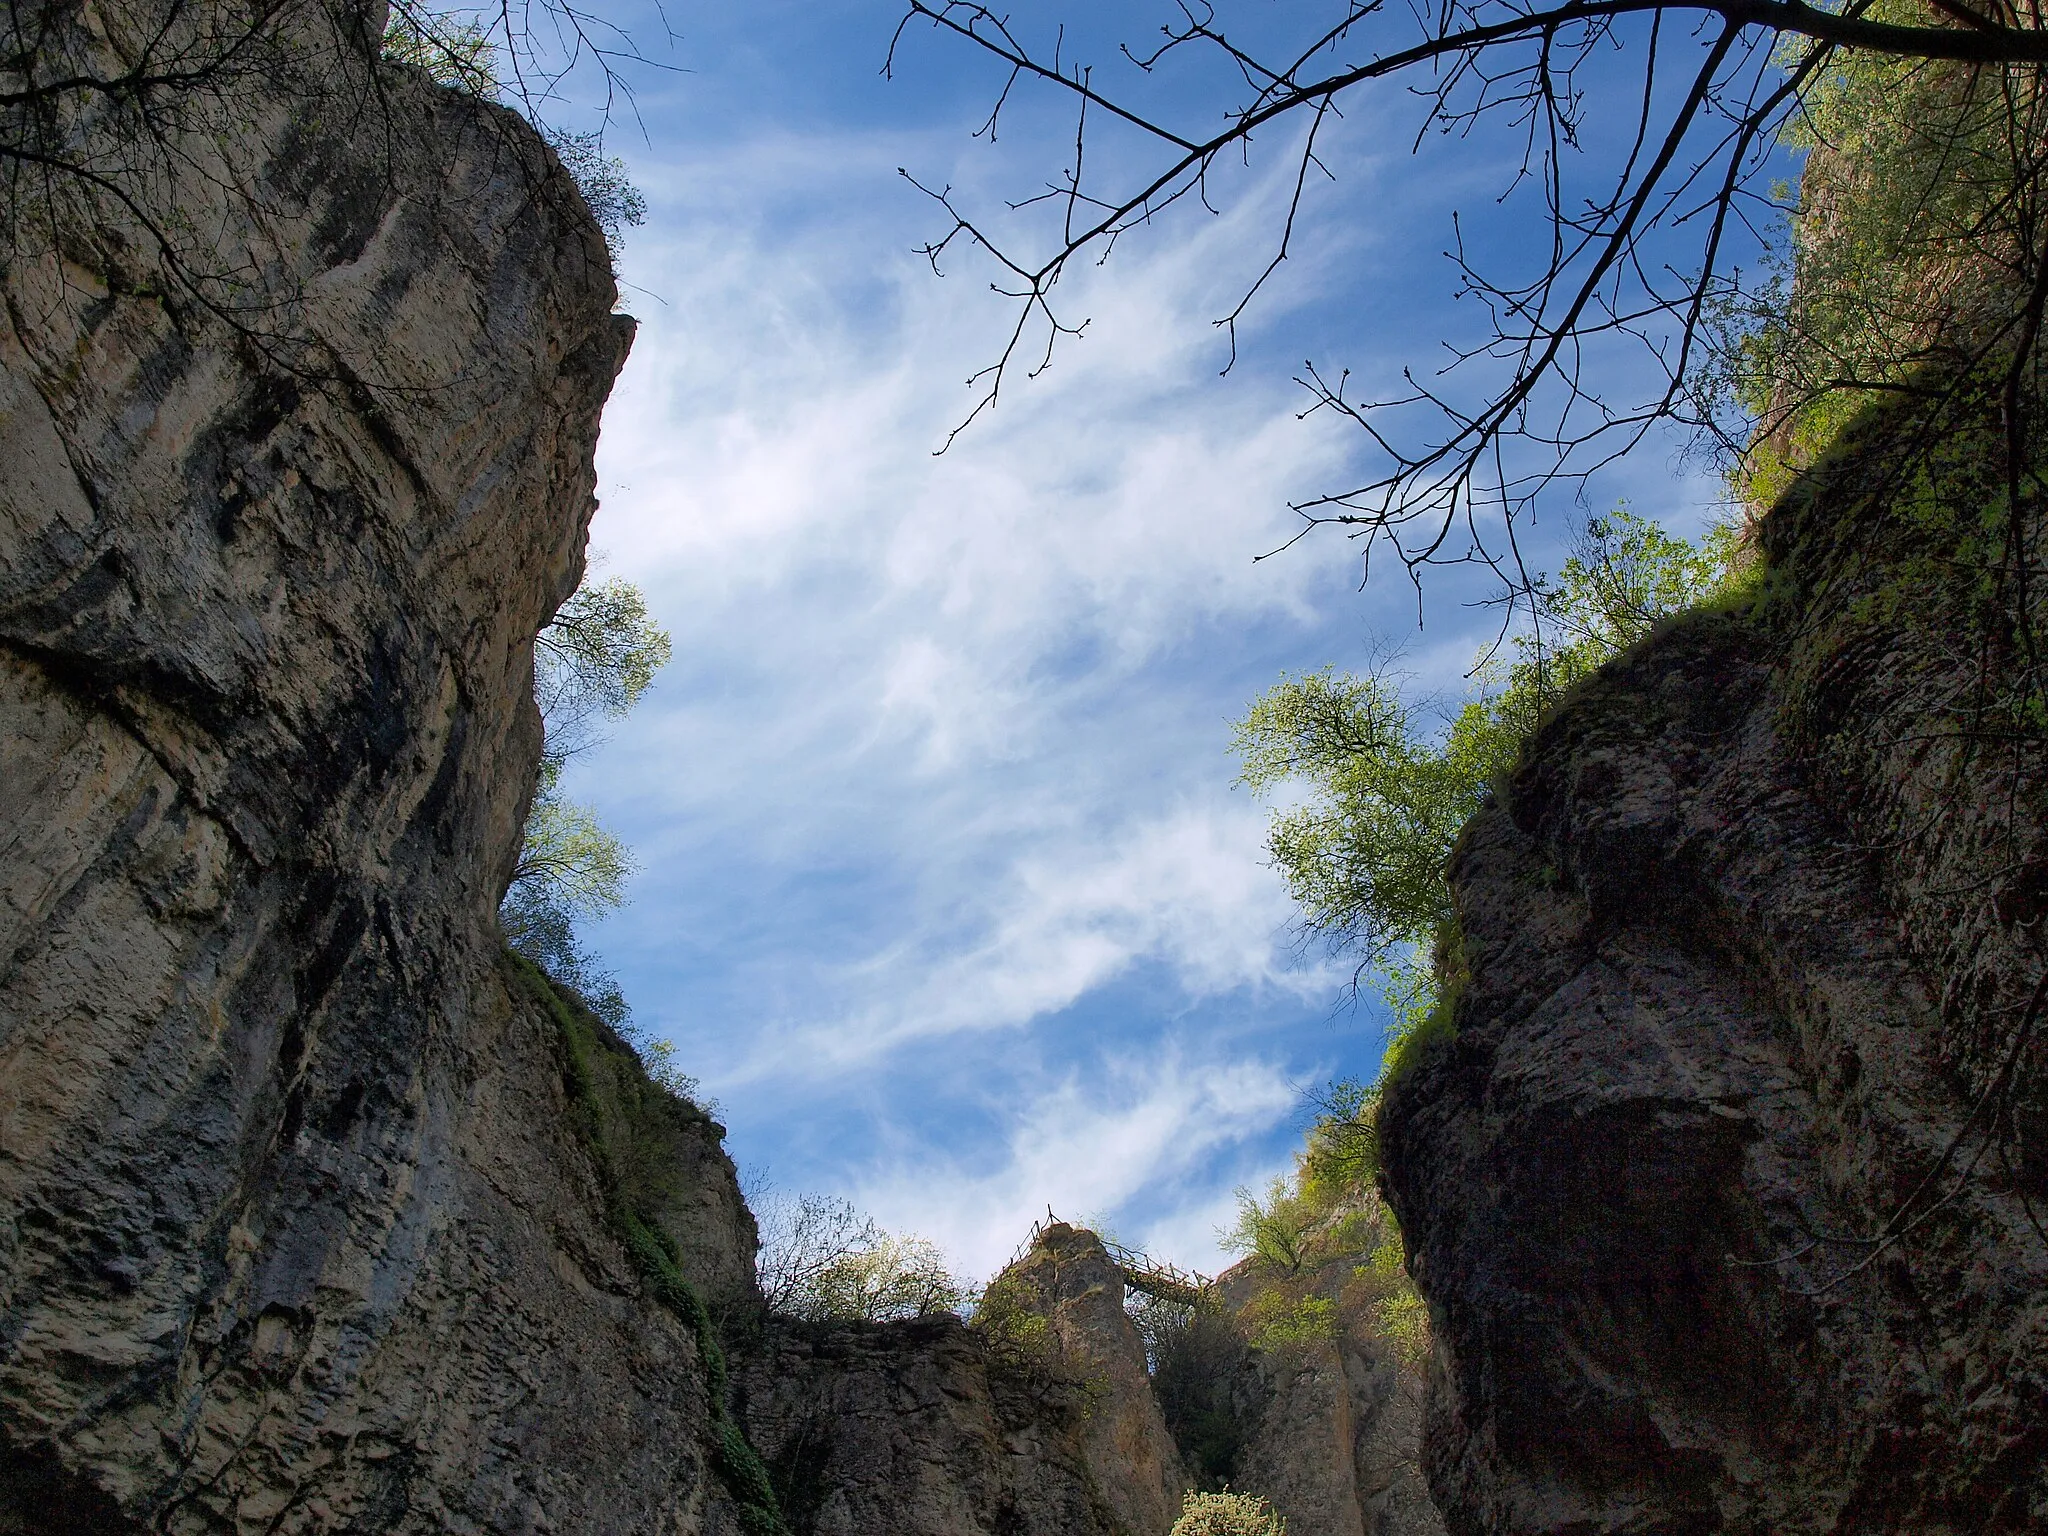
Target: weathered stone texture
[(1718, 1224), (904, 1427), (1068, 1279), (295, 1233), (1335, 1424)]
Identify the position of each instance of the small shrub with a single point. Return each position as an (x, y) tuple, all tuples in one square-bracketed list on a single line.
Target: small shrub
[(1404, 1320), (1272, 1229), (1227, 1514), (1279, 1323), (1384, 1271)]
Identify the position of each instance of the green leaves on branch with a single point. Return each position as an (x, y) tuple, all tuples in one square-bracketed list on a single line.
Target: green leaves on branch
[(465, 50), (1363, 855), (590, 664), (823, 1261), (1912, 242), (1382, 796), (594, 660), (581, 865)]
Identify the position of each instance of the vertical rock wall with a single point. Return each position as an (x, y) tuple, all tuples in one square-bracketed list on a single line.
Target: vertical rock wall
[(1726, 1196), (295, 1230)]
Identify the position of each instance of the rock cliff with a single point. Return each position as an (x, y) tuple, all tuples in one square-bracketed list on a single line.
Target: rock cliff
[(319, 1210), (1328, 1424), (1727, 1193), (299, 1230), (1039, 1421)]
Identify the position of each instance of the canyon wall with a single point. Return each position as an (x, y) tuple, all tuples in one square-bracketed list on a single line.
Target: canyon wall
[(319, 1210), (299, 1233), (1727, 1195)]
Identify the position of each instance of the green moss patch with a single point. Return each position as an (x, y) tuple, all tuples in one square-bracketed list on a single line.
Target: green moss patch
[(606, 1120)]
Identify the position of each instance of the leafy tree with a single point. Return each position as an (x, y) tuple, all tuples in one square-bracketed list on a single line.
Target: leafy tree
[(592, 663), (1343, 1150), (824, 1261), (1364, 853), (1271, 1229)]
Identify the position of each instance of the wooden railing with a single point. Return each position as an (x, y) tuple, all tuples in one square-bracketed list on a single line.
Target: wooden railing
[(1166, 1282), (1141, 1272)]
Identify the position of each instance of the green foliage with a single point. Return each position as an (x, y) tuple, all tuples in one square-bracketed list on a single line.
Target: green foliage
[(1004, 1314), (896, 1277), (594, 660), (1227, 1514), (1425, 1003), (582, 866), (1198, 1361), (592, 663), (613, 200), (455, 50), (461, 49), (1364, 853), (1272, 1229), (1403, 1318), (1024, 1349), (1279, 1323), (1909, 243), (823, 1261)]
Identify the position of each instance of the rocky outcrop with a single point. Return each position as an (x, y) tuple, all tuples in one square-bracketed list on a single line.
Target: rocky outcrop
[(1331, 1422), (911, 1428), (303, 1226), (1727, 1194), (1039, 1421), (1067, 1279)]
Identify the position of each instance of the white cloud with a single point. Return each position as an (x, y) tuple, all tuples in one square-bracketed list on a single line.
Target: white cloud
[(1189, 890), (943, 752), (1128, 1131)]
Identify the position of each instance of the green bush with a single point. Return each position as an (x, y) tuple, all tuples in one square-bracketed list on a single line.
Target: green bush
[(1909, 242), (1364, 852), (1277, 1323), (1227, 1514)]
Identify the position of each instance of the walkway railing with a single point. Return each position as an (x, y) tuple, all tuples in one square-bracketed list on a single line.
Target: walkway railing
[(1141, 1272)]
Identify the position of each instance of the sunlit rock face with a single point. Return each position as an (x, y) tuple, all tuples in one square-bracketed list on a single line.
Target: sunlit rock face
[(1728, 1195), (1332, 1425), (1045, 1427), (1070, 1281), (298, 1234)]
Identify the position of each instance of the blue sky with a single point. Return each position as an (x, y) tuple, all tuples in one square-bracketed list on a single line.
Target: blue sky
[(945, 892)]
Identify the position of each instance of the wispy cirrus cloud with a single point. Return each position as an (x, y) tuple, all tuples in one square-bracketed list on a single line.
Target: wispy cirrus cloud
[(1093, 1143), (945, 890)]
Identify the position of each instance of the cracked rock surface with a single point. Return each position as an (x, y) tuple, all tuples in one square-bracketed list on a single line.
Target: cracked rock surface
[(295, 1231), (1727, 1196)]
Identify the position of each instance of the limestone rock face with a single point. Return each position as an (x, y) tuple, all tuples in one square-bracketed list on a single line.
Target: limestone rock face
[(1044, 1425), (1067, 1278), (1726, 1197), (908, 1428), (296, 1233), (1334, 1424)]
